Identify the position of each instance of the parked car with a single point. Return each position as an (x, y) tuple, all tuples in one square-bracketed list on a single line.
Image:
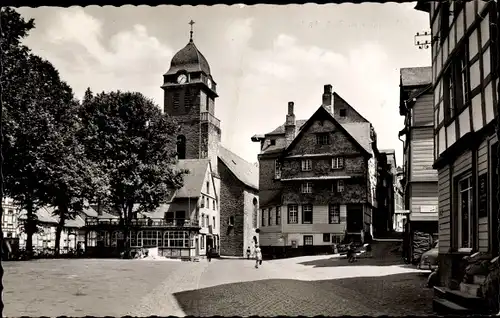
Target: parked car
[(429, 259)]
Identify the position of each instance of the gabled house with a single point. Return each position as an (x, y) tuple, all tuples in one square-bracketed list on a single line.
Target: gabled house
[(184, 227), (317, 179)]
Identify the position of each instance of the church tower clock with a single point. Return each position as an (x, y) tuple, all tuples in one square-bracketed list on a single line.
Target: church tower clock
[(189, 97)]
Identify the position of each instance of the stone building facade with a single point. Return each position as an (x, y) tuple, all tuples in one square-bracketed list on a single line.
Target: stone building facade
[(317, 179)]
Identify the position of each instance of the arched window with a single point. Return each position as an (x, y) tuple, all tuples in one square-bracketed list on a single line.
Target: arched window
[(181, 147)]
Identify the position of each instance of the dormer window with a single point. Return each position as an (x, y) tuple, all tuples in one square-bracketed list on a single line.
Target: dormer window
[(306, 165), (272, 142), (343, 112), (323, 139), (306, 187), (277, 169), (337, 163)]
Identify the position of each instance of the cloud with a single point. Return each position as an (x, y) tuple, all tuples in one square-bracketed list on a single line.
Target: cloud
[(130, 59)]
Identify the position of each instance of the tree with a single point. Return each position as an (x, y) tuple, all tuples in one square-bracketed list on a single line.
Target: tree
[(19, 144), (134, 145), (66, 177)]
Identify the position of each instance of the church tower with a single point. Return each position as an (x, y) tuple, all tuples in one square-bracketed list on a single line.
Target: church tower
[(189, 97)]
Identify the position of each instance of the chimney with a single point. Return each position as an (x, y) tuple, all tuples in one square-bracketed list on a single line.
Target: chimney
[(290, 125), (327, 98)]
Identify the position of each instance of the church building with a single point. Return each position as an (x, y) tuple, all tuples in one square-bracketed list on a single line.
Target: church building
[(189, 97)]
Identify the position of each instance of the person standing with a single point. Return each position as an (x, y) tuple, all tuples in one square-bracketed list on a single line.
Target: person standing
[(209, 254), (258, 256), (248, 252)]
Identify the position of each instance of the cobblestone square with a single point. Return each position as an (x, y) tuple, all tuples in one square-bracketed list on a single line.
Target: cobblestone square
[(315, 285)]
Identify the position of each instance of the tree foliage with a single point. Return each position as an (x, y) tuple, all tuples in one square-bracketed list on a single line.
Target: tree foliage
[(134, 145), (22, 130)]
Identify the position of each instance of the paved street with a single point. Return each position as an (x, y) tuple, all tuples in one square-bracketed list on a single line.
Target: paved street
[(316, 285)]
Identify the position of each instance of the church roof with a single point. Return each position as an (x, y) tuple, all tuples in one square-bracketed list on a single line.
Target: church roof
[(245, 171), (189, 59)]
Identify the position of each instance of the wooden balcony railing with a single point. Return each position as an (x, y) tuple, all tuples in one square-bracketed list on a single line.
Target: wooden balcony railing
[(207, 117), (149, 222)]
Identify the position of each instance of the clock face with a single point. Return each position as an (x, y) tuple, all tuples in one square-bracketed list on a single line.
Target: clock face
[(209, 83), (181, 79)]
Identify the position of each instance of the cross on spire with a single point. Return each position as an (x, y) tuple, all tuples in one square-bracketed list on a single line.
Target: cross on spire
[(191, 33)]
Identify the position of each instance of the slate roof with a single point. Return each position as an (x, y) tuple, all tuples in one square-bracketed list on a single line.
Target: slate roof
[(45, 215), (189, 59), (245, 171), (193, 181), (359, 131), (416, 76), (281, 129)]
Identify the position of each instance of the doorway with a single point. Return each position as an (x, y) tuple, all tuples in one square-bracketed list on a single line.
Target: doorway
[(308, 244), (494, 202), (354, 218)]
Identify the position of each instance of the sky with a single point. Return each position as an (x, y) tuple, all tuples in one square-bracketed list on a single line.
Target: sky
[(261, 57)]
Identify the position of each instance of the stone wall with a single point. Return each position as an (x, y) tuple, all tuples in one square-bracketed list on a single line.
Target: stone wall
[(231, 205)]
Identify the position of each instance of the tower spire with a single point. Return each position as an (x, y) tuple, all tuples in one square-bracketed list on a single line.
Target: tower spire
[(191, 32)]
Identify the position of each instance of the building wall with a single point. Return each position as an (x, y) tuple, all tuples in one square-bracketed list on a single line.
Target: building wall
[(422, 155), (482, 168), (251, 208), (424, 200), (444, 185), (423, 110), (232, 198), (10, 217)]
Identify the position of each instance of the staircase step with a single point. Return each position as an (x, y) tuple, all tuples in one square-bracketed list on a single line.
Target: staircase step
[(471, 289), (443, 306), (478, 279), (465, 300), (439, 292)]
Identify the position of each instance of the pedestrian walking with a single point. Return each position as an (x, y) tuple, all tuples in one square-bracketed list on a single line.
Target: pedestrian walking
[(209, 254), (248, 252), (258, 256)]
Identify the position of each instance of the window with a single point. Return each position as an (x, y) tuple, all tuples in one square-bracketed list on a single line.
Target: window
[(337, 162), (208, 221), (343, 112), (150, 238), (308, 240), (293, 214), (340, 186), (269, 216), (333, 214), (208, 203), (231, 220), (176, 239), (456, 84), (465, 213), (272, 142), (326, 237), (169, 217), (323, 139), (181, 147), (203, 220), (208, 187), (213, 205), (277, 169), (202, 242), (213, 220), (307, 214), (278, 215), (306, 165), (176, 99), (306, 187), (263, 218), (445, 20)]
